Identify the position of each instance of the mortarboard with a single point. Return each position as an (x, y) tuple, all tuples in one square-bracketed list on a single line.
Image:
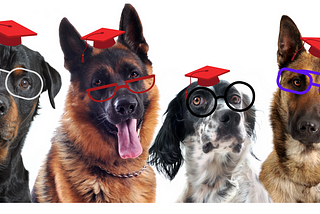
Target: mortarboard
[(208, 75), (314, 43), (103, 38), (11, 33)]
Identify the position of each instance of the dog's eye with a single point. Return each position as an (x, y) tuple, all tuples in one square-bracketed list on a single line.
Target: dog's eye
[(134, 75), (297, 82), (24, 84), (196, 101), (235, 99), (97, 82)]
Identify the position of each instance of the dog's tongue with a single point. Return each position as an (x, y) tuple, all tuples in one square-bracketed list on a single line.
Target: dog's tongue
[(128, 141)]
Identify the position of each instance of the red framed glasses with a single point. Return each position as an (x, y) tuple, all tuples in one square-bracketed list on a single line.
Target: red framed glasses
[(106, 92)]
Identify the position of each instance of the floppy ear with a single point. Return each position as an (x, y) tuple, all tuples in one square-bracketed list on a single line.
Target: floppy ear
[(289, 42), (133, 37), (72, 46), (165, 153), (52, 81), (250, 116)]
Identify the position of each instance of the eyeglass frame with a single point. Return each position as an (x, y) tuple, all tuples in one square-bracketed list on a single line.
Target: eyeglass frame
[(14, 95), (300, 71), (225, 99), (121, 86)]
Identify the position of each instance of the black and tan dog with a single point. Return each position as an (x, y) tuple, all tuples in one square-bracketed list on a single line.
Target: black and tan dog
[(291, 172), (16, 114), (95, 152)]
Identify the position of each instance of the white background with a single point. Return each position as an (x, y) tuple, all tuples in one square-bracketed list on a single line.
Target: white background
[(182, 36)]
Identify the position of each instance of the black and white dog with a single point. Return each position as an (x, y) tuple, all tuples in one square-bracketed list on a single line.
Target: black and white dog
[(217, 147)]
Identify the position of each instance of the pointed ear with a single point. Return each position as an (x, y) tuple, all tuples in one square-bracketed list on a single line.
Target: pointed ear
[(165, 153), (52, 81), (133, 37), (72, 46), (289, 42)]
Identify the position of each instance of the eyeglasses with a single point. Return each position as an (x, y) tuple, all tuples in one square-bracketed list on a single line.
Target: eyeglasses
[(202, 102), (106, 92), (297, 87), (20, 81)]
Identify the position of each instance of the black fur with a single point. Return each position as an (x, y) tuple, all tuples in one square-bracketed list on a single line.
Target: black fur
[(13, 176)]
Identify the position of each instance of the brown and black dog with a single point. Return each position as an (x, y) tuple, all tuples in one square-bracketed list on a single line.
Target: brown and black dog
[(291, 173), (95, 152), (16, 114)]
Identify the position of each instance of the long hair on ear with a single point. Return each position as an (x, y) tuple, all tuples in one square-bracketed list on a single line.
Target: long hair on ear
[(165, 153), (250, 118)]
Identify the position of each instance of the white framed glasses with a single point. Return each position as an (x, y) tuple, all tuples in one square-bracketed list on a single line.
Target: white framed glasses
[(23, 83)]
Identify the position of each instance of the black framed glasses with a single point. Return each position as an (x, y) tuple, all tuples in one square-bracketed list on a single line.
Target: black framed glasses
[(202, 102)]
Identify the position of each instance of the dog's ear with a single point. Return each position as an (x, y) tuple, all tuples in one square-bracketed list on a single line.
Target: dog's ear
[(133, 37), (52, 81), (289, 42), (165, 153), (250, 116), (72, 46)]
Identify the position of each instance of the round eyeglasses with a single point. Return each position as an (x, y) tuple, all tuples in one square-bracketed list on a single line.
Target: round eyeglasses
[(202, 102)]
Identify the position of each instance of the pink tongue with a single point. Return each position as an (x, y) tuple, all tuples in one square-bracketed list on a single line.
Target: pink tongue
[(128, 141)]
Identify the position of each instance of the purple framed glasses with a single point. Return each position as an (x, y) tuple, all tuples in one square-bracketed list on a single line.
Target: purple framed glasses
[(307, 74)]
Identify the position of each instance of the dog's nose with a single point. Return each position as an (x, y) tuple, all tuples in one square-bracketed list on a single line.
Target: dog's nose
[(3, 107), (229, 118), (125, 105), (308, 127)]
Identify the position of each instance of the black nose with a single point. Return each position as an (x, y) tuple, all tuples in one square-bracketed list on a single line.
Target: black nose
[(229, 118), (125, 105), (308, 128), (4, 106)]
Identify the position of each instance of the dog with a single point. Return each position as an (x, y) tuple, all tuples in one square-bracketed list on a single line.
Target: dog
[(16, 113), (291, 172), (95, 153), (216, 147)]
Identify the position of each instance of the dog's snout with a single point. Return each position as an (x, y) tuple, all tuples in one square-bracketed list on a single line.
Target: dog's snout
[(125, 105), (230, 118), (308, 127), (4, 106), (307, 131)]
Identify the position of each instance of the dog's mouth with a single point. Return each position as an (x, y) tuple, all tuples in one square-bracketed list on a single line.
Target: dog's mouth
[(129, 145), (229, 142)]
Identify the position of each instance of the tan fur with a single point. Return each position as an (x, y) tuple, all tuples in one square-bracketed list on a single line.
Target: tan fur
[(292, 170)]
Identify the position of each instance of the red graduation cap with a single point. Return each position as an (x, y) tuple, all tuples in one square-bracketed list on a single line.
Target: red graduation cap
[(314, 42), (11, 33), (208, 75), (103, 38)]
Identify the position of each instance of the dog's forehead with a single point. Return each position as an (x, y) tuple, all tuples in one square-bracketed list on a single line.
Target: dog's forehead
[(19, 56), (117, 60)]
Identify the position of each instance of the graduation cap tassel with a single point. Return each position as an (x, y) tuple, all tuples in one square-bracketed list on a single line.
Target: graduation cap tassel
[(6, 25), (190, 81), (294, 55), (82, 58)]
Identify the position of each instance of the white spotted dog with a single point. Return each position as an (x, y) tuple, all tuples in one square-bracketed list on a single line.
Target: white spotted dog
[(215, 135)]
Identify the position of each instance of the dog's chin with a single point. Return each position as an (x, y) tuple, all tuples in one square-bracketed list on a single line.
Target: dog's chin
[(231, 143), (307, 143)]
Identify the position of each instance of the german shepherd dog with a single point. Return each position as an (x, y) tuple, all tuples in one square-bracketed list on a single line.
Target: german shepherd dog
[(24, 75), (291, 173), (95, 154)]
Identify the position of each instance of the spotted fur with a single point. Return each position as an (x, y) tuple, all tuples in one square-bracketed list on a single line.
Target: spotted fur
[(217, 157)]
